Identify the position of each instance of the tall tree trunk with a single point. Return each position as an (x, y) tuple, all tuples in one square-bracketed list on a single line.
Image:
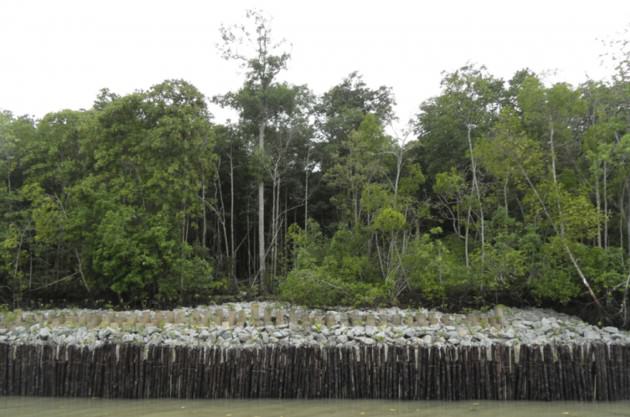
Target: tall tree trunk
[(466, 239), (399, 164), (505, 195), (598, 203), (261, 209), (628, 215), (622, 210), (232, 250), (478, 192), (355, 207), (250, 251), (223, 223), (204, 214), (308, 154), (274, 222), (605, 205)]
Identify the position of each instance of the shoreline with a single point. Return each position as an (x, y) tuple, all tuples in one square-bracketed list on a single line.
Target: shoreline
[(267, 350)]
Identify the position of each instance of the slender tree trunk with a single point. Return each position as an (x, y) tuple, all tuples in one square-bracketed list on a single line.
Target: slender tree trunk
[(223, 224), (598, 203), (232, 250), (628, 216), (355, 207), (478, 193), (308, 154), (399, 163), (622, 210), (250, 251), (17, 289), (285, 230), (605, 205), (466, 239), (261, 210), (552, 149), (381, 262), (30, 270), (505, 195), (274, 221), (203, 213)]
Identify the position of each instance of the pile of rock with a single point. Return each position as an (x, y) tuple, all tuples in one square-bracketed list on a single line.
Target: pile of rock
[(263, 324)]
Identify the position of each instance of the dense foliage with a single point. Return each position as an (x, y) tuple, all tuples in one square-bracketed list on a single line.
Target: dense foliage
[(510, 191)]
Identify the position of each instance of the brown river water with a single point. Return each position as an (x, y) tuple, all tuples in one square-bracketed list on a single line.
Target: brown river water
[(58, 407)]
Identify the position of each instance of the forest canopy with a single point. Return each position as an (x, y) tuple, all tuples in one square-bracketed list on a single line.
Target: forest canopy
[(502, 191)]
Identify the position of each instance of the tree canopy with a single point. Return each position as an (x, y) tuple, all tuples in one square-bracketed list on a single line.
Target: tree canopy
[(512, 191)]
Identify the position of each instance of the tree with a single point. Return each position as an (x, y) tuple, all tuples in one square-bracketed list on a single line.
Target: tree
[(261, 97), (470, 96), (358, 164), (152, 157)]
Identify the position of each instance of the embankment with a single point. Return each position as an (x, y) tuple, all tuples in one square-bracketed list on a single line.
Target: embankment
[(274, 351)]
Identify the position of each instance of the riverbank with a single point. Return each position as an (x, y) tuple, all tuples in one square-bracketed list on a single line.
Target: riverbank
[(267, 350), (268, 324)]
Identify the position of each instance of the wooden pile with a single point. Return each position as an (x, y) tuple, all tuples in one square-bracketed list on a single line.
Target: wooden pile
[(583, 372)]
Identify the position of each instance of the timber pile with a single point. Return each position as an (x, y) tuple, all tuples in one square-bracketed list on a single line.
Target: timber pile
[(584, 372)]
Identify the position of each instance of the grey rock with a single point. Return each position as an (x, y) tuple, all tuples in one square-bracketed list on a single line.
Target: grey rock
[(104, 333), (44, 333), (279, 334), (150, 330), (357, 332), (591, 335), (409, 333), (367, 340), (128, 338), (509, 333)]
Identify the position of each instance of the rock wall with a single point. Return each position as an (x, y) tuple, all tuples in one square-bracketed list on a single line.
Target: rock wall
[(268, 350), (251, 325), (582, 372)]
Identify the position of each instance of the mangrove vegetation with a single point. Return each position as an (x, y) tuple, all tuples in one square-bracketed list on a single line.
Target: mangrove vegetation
[(513, 191)]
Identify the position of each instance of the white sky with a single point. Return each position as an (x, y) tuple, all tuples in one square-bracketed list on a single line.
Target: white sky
[(58, 54)]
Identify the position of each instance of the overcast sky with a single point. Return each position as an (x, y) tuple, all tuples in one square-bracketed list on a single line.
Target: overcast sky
[(58, 54)]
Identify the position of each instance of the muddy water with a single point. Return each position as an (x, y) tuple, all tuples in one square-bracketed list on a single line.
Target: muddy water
[(47, 407)]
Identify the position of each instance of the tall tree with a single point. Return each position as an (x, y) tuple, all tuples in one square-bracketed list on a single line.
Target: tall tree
[(261, 96)]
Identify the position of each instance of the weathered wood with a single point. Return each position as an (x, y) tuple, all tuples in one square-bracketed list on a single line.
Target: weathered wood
[(591, 372)]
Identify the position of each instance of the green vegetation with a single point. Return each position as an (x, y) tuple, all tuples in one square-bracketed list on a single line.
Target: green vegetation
[(510, 191)]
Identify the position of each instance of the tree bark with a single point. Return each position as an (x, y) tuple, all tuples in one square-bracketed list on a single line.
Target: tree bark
[(308, 154), (478, 192), (598, 204), (232, 250), (605, 197), (261, 209)]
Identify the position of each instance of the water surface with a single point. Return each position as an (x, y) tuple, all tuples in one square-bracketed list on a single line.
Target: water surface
[(61, 407)]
